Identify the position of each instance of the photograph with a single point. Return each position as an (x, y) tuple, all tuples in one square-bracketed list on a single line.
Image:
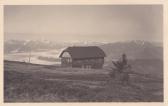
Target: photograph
[(83, 53)]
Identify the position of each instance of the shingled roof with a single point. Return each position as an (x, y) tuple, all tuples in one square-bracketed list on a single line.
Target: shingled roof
[(82, 52)]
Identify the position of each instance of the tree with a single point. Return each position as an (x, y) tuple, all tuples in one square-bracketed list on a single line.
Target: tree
[(121, 69)]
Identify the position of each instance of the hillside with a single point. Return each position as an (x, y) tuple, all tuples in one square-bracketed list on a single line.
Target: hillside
[(25, 82), (134, 50)]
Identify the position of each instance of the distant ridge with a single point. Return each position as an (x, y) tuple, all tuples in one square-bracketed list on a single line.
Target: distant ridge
[(134, 50)]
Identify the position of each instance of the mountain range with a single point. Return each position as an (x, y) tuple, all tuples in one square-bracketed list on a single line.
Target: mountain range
[(133, 49)]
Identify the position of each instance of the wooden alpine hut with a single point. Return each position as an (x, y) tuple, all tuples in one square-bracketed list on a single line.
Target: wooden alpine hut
[(82, 57)]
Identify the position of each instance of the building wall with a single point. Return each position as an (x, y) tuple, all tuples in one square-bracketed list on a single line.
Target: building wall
[(88, 63), (67, 61)]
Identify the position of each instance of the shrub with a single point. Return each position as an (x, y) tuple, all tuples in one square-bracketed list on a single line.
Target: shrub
[(120, 70)]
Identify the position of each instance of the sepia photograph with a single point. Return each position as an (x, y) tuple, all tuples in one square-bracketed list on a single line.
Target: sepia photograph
[(83, 53)]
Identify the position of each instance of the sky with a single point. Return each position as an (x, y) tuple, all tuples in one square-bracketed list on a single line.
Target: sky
[(92, 23)]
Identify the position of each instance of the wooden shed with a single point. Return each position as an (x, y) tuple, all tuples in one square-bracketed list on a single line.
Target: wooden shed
[(83, 57)]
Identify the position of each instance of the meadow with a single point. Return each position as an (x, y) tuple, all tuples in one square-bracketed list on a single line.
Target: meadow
[(25, 82)]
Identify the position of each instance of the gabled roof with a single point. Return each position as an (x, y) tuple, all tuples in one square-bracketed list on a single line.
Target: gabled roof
[(80, 52)]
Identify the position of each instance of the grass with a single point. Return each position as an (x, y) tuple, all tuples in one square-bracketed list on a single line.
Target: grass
[(23, 87), (37, 83)]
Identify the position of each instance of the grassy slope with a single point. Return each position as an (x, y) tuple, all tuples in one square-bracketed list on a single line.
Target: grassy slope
[(39, 83)]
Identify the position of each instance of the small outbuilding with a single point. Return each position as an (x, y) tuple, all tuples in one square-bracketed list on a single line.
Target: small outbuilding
[(82, 57)]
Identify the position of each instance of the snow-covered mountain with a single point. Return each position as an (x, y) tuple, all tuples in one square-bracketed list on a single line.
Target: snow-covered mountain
[(16, 46), (30, 45)]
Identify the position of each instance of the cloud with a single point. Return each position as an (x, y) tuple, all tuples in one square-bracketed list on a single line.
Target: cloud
[(85, 22)]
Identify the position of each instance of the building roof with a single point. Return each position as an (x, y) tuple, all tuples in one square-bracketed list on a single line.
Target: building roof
[(81, 52)]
